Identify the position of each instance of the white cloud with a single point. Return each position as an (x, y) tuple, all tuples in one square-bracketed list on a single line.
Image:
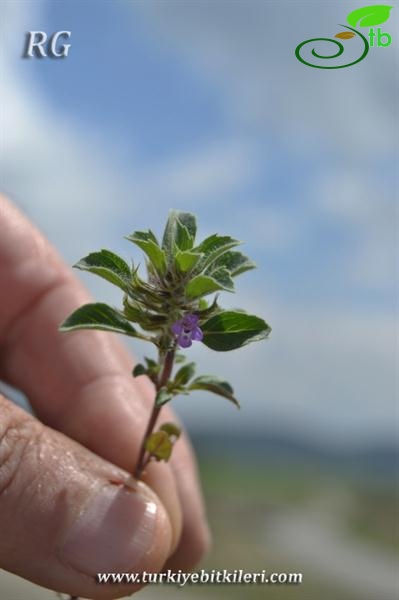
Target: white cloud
[(367, 210)]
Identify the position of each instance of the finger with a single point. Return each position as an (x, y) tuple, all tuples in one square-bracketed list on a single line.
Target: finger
[(195, 540), (62, 519), (79, 382)]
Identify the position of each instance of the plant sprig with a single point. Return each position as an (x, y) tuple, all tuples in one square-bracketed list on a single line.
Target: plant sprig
[(169, 309)]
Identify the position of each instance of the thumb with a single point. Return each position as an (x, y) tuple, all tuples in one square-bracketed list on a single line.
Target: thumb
[(65, 514)]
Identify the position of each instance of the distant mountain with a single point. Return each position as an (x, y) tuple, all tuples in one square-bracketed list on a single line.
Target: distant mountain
[(375, 460)]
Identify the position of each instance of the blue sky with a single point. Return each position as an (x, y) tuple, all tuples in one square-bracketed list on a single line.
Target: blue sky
[(203, 106), (118, 79)]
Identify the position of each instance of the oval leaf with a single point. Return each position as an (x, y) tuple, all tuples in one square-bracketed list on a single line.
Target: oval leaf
[(107, 265), (368, 16), (159, 445), (98, 316), (215, 385), (139, 369), (231, 329), (345, 35), (184, 374)]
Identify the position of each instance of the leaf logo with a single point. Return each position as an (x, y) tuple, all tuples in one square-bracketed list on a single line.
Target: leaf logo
[(368, 16), (345, 35)]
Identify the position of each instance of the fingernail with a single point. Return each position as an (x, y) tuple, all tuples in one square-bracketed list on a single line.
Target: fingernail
[(113, 532)]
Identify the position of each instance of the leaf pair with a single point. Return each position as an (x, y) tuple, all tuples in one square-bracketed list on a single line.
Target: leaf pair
[(210, 383), (227, 330)]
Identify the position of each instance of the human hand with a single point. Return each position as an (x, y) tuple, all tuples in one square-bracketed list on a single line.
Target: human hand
[(64, 511)]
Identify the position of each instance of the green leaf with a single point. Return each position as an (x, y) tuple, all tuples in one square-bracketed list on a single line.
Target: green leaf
[(162, 397), (206, 311), (179, 232), (189, 221), (187, 260), (151, 370), (368, 16), (98, 316), (214, 246), (201, 285), (203, 304), (184, 374), (235, 262), (231, 329), (171, 429), (108, 265), (215, 385), (179, 358), (139, 369), (222, 276), (159, 445), (147, 241), (183, 240), (152, 364)]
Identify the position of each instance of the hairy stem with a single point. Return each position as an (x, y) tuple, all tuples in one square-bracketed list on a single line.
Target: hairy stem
[(163, 379)]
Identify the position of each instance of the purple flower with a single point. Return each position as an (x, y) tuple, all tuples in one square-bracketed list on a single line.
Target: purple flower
[(187, 330)]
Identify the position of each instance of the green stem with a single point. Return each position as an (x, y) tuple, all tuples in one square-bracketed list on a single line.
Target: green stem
[(162, 381)]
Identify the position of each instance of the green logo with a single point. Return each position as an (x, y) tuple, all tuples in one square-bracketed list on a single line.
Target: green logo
[(368, 16)]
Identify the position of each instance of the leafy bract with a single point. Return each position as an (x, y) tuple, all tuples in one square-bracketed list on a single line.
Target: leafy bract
[(107, 265), (179, 233), (186, 260), (201, 285), (147, 241), (230, 329), (214, 246), (235, 262)]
